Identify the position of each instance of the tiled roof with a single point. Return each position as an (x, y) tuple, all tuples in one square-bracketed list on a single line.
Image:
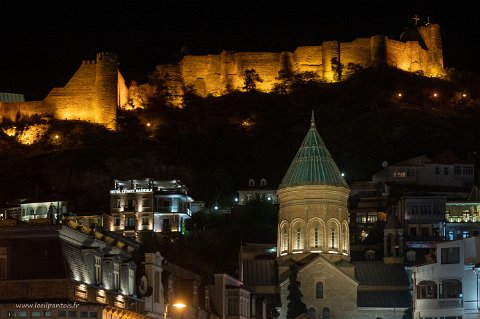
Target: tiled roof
[(313, 164), (377, 273), (384, 299)]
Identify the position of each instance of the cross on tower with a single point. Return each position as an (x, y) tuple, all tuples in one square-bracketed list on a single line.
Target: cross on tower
[(416, 18)]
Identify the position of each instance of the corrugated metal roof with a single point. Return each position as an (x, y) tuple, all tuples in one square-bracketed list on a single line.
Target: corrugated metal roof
[(260, 272), (385, 299), (313, 164), (377, 273)]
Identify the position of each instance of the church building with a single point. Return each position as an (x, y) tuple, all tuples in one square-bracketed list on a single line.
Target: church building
[(313, 232)]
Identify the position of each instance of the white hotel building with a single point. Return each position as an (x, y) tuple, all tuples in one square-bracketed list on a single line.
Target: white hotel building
[(139, 208)]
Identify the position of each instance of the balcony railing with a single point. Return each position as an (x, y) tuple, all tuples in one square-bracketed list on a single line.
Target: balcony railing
[(440, 303)]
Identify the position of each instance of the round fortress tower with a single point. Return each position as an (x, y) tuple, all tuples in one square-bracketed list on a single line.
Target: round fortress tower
[(105, 90), (313, 196)]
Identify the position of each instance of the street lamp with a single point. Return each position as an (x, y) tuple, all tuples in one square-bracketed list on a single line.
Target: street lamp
[(178, 305)]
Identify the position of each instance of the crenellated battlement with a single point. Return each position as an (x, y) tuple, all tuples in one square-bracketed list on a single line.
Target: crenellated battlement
[(106, 55)]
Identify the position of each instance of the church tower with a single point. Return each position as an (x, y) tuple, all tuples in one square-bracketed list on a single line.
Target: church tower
[(313, 196)]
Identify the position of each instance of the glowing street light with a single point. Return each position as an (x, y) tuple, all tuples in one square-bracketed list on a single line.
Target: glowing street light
[(177, 304)]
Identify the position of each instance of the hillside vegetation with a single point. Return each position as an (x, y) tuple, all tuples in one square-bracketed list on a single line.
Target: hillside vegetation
[(216, 144)]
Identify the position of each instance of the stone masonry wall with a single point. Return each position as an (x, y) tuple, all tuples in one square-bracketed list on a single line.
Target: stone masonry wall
[(219, 74), (92, 94)]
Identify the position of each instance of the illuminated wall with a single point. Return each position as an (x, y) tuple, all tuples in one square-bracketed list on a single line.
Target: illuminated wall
[(222, 73), (92, 94)]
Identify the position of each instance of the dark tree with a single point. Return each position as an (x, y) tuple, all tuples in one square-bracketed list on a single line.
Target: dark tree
[(250, 79), (337, 68), (295, 306)]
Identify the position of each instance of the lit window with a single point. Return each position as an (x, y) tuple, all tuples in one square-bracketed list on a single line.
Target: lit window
[(116, 276), (315, 237), (145, 202), (333, 238), (427, 290), (299, 238), (284, 238), (98, 269)]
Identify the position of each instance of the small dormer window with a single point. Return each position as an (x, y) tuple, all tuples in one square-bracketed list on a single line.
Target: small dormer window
[(251, 182), (263, 182)]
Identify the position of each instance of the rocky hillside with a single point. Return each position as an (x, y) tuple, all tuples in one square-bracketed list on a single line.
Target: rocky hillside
[(216, 144)]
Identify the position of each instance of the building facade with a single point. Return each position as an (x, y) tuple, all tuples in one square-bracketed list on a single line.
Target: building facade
[(313, 233), (67, 271), (140, 208), (448, 286)]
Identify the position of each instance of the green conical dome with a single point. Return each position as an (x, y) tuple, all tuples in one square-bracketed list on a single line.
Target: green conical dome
[(313, 164)]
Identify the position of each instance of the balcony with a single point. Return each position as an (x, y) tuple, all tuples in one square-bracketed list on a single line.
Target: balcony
[(440, 303)]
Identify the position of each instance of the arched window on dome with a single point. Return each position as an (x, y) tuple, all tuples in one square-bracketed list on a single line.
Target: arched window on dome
[(333, 235), (284, 239), (263, 182), (251, 182), (298, 238), (345, 237), (332, 238), (297, 235), (316, 235)]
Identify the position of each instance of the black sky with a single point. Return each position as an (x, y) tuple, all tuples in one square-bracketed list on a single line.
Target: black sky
[(44, 42)]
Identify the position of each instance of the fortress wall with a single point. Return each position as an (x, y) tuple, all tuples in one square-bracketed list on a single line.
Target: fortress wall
[(9, 110), (171, 79), (357, 52), (228, 72), (197, 70), (83, 77), (105, 88), (330, 50), (432, 36), (74, 100), (405, 56), (122, 91), (308, 59), (267, 65), (378, 49)]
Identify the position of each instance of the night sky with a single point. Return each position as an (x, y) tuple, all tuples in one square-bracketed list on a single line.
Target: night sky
[(42, 44)]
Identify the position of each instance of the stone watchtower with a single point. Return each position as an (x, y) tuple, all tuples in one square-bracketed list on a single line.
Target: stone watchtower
[(106, 89), (313, 196)]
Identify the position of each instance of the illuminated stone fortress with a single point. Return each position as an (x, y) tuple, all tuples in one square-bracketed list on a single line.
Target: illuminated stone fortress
[(93, 94), (418, 50), (97, 89)]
